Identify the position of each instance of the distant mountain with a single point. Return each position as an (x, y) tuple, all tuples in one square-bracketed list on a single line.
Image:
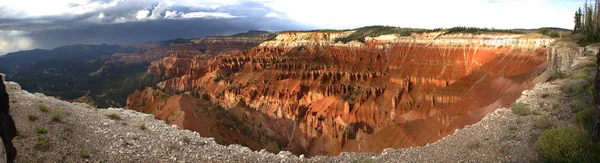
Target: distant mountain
[(12, 61), (251, 33), (64, 71), (176, 41)]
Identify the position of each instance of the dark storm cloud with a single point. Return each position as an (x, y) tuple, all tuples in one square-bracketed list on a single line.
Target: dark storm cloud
[(155, 30), (120, 24)]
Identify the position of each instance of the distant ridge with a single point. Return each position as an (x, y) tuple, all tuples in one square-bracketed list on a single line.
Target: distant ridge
[(252, 33)]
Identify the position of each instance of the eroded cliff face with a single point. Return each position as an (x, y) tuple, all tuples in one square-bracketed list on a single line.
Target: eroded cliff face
[(304, 93), (212, 45), (527, 41), (295, 39)]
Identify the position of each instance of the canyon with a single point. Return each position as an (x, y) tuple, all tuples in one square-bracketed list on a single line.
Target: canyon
[(304, 92), (104, 75)]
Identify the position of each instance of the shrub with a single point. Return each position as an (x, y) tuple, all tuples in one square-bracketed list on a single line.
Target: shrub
[(143, 126), (504, 151), (557, 75), (43, 108), (32, 117), (545, 96), (520, 109), (585, 118), (114, 116), (67, 129), (84, 154), (186, 140), (578, 105), (473, 145), (41, 129), (566, 145), (575, 86), (585, 64), (543, 122), (363, 160), (582, 75), (41, 143), (511, 137), (18, 133), (56, 115)]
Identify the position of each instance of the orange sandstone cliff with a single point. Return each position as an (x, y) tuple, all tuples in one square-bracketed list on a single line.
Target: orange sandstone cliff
[(307, 94)]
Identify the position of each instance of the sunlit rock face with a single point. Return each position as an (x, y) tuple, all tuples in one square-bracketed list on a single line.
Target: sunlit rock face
[(307, 94)]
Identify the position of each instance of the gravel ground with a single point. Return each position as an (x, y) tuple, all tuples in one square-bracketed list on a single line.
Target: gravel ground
[(86, 134)]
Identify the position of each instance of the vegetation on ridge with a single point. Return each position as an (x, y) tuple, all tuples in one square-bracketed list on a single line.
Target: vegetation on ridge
[(374, 31), (572, 144), (587, 22)]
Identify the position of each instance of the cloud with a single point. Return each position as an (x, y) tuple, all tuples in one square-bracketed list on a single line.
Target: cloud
[(13, 40), (49, 24), (156, 30), (430, 13), (35, 8), (142, 14), (273, 15), (207, 15)]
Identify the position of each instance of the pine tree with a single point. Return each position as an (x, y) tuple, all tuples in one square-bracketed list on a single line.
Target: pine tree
[(587, 21), (589, 26), (596, 18), (578, 23)]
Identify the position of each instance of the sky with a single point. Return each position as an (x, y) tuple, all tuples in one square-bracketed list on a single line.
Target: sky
[(31, 24)]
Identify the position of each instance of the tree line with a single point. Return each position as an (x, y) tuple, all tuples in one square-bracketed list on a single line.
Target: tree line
[(587, 21)]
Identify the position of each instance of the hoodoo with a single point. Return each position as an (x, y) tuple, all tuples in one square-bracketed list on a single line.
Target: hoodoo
[(306, 93)]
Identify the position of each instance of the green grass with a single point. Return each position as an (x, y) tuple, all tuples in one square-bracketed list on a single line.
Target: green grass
[(520, 109), (41, 130), (32, 117), (43, 108), (42, 143), (114, 116)]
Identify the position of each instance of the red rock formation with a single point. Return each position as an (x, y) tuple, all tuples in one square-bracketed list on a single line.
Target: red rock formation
[(212, 45), (323, 100)]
